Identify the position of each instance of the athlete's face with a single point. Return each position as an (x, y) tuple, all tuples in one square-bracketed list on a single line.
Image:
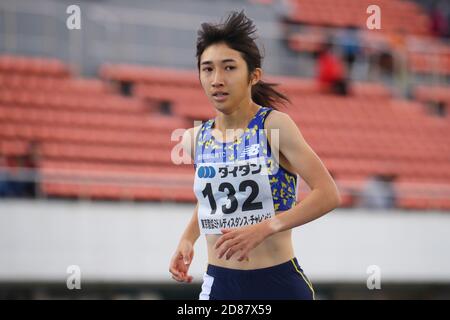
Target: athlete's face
[(224, 77)]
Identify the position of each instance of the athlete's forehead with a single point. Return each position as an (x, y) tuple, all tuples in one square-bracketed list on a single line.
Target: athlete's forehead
[(220, 54)]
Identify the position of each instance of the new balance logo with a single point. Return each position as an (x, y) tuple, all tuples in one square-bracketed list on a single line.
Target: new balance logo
[(252, 150)]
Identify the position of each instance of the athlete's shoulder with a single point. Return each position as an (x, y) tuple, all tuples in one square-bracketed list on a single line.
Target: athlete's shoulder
[(277, 120), (287, 129)]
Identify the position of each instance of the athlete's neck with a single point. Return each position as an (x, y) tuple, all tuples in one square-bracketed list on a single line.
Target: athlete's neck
[(237, 119)]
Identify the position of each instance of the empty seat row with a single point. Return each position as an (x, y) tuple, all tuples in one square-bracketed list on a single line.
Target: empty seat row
[(129, 121), (94, 135), (33, 66), (71, 100), (48, 83)]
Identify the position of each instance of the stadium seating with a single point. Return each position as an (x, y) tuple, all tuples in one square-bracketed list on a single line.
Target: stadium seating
[(95, 143), (397, 15), (320, 19)]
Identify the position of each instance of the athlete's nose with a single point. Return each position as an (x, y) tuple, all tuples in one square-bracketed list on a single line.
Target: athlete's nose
[(217, 80)]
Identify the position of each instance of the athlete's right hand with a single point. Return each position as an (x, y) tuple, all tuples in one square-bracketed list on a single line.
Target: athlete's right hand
[(181, 260)]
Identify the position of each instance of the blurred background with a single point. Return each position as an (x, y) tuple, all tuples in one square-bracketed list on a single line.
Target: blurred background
[(92, 206)]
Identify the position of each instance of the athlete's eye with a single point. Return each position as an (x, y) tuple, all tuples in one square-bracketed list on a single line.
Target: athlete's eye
[(230, 67), (208, 69)]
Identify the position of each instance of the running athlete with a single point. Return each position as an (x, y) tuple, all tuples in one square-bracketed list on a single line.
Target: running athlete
[(246, 177)]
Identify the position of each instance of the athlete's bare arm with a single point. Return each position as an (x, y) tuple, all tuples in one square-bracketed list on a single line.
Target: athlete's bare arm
[(324, 195), (182, 258)]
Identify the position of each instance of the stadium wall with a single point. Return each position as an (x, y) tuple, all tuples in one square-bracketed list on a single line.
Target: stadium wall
[(133, 242)]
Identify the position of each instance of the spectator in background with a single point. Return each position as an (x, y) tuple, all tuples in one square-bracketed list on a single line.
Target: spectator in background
[(331, 73), (350, 45), (439, 20), (441, 109), (437, 108), (18, 177), (399, 44), (385, 68), (126, 88), (379, 193), (5, 185), (30, 163), (10, 184)]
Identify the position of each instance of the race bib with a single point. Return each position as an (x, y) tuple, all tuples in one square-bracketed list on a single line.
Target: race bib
[(232, 195)]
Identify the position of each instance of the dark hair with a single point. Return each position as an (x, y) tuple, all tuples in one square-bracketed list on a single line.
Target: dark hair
[(237, 33)]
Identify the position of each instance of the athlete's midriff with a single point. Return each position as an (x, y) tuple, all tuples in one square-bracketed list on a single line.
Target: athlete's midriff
[(274, 250)]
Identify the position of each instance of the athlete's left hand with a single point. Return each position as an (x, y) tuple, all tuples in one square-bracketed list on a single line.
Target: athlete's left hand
[(241, 240)]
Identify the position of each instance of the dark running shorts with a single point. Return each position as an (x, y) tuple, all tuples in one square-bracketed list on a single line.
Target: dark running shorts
[(285, 281)]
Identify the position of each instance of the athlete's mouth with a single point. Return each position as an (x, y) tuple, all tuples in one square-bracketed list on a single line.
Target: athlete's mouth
[(220, 96)]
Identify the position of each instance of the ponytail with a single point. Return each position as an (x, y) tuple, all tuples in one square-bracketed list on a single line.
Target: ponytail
[(265, 95)]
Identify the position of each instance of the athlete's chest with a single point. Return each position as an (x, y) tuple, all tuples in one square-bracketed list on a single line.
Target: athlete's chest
[(232, 194), (245, 146)]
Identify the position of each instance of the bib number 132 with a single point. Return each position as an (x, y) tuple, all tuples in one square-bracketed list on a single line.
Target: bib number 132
[(248, 204)]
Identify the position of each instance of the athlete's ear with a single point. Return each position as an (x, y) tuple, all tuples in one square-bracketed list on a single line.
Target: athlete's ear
[(256, 76)]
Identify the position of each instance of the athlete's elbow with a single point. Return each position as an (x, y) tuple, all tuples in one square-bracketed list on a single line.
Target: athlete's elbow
[(333, 198), (338, 200)]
